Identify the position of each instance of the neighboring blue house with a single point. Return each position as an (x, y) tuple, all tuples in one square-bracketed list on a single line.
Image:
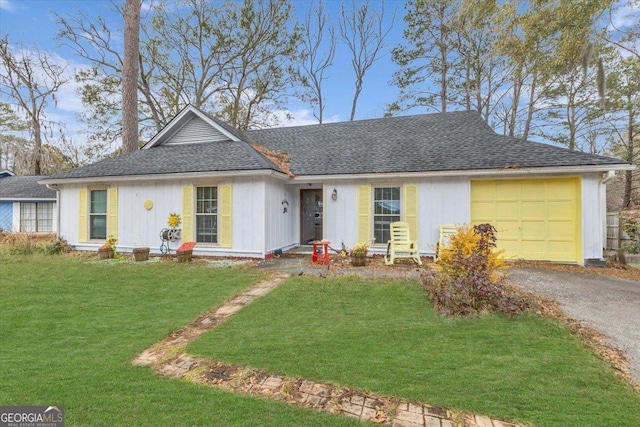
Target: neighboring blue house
[(25, 205)]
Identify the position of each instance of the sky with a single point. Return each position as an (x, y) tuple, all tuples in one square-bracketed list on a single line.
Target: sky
[(32, 23)]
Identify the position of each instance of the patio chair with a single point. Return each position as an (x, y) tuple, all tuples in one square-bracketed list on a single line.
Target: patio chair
[(400, 245), (446, 231)]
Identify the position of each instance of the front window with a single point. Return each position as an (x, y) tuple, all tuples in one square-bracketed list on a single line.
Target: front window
[(386, 202), (36, 217), (98, 215), (207, 214)]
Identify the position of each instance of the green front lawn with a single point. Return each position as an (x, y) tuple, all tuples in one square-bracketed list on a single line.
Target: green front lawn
[(69, 328), (384, 337)]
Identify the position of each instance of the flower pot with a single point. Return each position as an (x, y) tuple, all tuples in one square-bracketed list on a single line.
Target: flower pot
[(105, 253), (184, 256), (141, 254), (358, 260)]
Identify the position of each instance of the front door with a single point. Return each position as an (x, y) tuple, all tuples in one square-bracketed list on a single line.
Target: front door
[(310, 216)]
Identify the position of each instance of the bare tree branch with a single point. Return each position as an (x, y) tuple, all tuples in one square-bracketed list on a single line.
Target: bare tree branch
[(29, 79), (364, 31), (316, 56)]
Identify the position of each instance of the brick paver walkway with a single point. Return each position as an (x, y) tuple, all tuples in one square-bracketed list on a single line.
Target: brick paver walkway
[(169, 359)]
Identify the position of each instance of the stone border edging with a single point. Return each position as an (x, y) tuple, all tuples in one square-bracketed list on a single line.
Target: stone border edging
[(169, 359)]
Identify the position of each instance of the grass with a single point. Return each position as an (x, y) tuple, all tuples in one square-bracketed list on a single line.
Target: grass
[(69, 329), (384, 337)]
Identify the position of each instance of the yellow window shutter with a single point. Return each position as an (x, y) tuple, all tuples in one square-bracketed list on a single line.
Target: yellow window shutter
[(112, 212), (187, 214), (83, 219), (411, 209), (364, 213), (226, 215)]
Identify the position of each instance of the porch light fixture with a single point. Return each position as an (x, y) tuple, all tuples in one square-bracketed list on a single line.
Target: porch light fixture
[(285, 206), (334, 194)]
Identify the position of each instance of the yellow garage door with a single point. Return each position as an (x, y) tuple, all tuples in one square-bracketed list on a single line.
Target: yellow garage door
[(536, 219)]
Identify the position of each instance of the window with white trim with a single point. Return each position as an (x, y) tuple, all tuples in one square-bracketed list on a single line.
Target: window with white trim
[(36, 217), (386, 209), (98, 215), (207, 214)]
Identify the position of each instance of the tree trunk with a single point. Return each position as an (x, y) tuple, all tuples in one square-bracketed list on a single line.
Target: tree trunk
[(467, 82), (628, 175), (487, 101), (532, 93), (130, 73), (37, 150), (356, 94), (443, 75), (517, 86)]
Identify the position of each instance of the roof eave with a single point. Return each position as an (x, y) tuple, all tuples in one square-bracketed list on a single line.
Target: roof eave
[(27, 199), (547, 170), (167, 176)]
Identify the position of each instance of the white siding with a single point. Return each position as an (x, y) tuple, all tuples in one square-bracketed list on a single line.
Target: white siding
[(194, 131), (282, 229), (138, 227), (261, 226), (447, 200), (55, 218), (68, 210), (15, 218), (594, 209), (439, 201), (248, 216), (340, 215)]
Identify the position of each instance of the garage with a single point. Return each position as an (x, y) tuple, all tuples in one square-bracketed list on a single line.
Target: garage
[(536, 219)]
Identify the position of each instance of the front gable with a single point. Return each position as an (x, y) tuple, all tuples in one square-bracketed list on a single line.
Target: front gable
[(194, 131), (191, 126)]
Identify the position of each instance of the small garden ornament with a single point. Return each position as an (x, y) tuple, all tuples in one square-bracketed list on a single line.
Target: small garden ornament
[(174, 220)]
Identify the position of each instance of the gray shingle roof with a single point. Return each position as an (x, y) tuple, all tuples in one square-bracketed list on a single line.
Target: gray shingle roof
[(24, 187), (420, 143), (221, 156), (429, 142)]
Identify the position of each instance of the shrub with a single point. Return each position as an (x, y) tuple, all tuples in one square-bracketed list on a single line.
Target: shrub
[(57, 246), (28, 244), (20, 244), (630, 222), (472, 251), (469, 277)]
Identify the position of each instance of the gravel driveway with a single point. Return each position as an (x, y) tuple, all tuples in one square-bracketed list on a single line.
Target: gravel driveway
[(609, 305)]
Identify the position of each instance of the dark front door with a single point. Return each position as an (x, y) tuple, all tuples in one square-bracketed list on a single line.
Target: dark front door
[(310, 216)]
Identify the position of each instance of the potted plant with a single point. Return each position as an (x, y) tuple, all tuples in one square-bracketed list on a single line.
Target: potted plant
[(359, 254), (141, 254), (107, 251), (185, 251)]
